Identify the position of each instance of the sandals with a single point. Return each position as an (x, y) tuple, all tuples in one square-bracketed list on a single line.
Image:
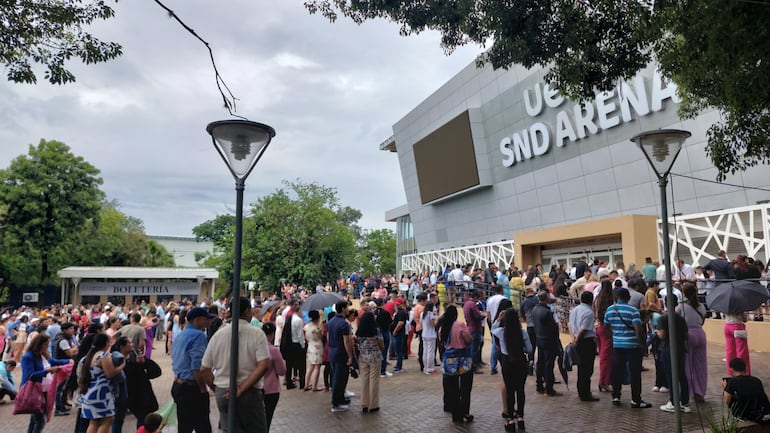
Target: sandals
[(318, 389), (510, 425)]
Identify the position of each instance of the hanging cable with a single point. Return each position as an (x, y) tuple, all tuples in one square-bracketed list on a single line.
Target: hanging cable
[(721, 183)]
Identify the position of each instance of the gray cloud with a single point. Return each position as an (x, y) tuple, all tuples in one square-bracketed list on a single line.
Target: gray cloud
[(331, 91)]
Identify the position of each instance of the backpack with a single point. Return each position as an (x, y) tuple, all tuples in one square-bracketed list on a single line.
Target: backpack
[(383, 319)]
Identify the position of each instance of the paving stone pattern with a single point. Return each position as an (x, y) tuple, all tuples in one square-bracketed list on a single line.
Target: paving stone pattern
[(412, 402)]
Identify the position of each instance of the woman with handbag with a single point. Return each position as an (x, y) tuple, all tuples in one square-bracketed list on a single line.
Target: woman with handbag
[(96, 398), (36, 364), (457, 366)]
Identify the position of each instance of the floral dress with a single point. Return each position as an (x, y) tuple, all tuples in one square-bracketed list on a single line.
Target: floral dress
[(315, 346), (98, 401)]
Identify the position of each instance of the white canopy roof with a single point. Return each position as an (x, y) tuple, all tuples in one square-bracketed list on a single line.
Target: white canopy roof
[(121, 272)]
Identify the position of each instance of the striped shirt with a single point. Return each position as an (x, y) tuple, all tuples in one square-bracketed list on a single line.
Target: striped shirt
[(623, 318)]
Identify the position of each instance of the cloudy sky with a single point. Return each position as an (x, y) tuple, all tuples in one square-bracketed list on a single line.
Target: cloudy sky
[(331, 91)]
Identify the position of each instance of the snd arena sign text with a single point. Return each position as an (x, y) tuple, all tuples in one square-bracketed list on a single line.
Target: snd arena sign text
[(608, 109)]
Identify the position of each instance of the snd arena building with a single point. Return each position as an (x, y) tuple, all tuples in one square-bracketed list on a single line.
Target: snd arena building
[(498, 167)]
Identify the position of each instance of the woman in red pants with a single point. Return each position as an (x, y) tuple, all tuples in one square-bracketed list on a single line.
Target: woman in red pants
[(604, 335)]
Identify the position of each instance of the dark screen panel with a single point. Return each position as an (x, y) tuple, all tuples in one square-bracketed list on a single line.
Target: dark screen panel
[(446, 160)]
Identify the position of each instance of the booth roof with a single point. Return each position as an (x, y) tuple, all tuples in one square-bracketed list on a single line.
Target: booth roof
[(113, 272)]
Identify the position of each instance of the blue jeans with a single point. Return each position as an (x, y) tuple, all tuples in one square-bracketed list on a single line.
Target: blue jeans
[(36, 423), (386, 338), (684, 394), (547, 351), (477, 338), (398, 344), (339, 382), (632, 358), (493, 356)]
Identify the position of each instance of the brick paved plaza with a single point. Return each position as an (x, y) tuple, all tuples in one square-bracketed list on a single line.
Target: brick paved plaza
[(411, 402)]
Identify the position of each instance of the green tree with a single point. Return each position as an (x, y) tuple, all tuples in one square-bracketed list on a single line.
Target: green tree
[(221, 232), (716, 51), (48, 195), (297, 233), (378, 252), (115, 239), (50, 33)]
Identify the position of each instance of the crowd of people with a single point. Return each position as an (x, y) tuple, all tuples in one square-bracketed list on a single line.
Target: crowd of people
[(98, 359)]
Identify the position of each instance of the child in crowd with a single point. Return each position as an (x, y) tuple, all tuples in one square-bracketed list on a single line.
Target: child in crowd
[(153, 423)]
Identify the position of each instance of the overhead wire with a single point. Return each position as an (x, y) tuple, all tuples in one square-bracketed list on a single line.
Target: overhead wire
[(721, 183)]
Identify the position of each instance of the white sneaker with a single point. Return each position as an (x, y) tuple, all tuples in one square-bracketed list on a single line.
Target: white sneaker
[(685, 408), (429, 372), (668, 407), (663, 389), (387, 374), (349, 394), (340, 408), (655, 389)]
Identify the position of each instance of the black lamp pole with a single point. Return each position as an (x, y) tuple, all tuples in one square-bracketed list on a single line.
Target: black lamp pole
[(661, 147), (241, 144)]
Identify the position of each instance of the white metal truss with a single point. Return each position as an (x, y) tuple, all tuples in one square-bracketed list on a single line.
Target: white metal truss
[(479, 256), (697, 238)]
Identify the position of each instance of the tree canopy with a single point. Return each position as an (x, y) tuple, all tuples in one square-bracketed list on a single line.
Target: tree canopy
[(377, 254), (53, 215), (48, 195), (50, 33), (716, 51), (299, 234)]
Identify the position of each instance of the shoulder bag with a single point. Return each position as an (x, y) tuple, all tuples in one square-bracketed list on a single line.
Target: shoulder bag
[(29, 399), (456, 362)]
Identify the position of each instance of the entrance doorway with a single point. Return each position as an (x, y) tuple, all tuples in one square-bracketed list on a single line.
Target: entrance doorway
[(609, 253)]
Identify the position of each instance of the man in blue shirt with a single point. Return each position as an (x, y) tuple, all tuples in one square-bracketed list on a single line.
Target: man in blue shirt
[(626, 324), (189, 389), (340, 355), (6, 379)]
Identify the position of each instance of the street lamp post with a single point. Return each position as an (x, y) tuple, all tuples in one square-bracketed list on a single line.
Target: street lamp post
[(240, 143), (661, 147)]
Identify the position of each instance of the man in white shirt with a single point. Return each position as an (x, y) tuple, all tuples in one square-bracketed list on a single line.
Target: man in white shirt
[(455, 278), (293, 345), (105, 314), (577, 287), (253, 362), (683, 272), (660, 275), (493, 305), (581, 325)]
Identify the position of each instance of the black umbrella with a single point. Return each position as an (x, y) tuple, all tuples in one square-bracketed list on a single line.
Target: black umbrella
[(736, 297), (562, 367), (319, 301)]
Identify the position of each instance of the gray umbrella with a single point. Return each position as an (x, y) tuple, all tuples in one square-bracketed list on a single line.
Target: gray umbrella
[(268, 304), (319, 301), (736, 297)]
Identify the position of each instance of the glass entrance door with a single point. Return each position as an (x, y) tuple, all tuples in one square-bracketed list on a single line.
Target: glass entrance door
[(610, 254)]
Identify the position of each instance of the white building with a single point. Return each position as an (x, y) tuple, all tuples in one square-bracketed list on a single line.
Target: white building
[(184, 249)]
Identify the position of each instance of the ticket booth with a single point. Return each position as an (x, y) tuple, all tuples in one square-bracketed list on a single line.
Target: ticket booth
[(127, 285)]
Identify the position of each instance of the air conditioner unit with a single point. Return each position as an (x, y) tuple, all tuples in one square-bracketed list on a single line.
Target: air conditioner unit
[(30, 297)]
